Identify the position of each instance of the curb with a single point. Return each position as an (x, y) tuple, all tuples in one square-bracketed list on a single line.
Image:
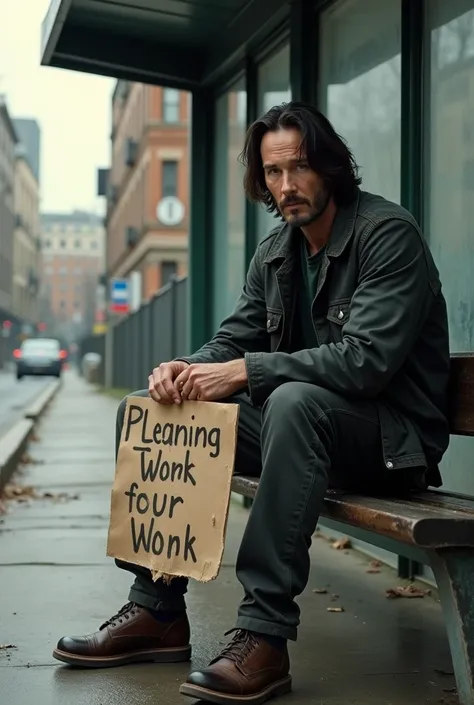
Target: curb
[(14, 442), (39, 405)]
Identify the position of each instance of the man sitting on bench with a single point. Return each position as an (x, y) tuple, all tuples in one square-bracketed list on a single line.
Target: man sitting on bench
[(337, 352)]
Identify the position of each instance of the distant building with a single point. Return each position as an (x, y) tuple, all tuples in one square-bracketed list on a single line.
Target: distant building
[(73, 261), (8, 140), (147, 186), (29, 134), (26, 248)]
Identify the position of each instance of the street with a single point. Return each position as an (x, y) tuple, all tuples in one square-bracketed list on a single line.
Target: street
[(16, 396)]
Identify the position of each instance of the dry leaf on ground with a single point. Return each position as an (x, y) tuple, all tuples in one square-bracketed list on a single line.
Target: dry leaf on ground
[(374, 567), (3, 647), (23, 493), (335, 609), (13, 491), (320, 591), (406, 591), (341, 544)]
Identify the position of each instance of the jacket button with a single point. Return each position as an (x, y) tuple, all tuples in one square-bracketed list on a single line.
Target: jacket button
[(340, 315), (269, 322), (390, 465)]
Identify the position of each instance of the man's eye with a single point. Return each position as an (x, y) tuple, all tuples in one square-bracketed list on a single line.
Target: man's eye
[(301, 167)]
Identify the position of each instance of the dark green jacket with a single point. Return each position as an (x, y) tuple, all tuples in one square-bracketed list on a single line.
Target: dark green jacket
[(380, 319)]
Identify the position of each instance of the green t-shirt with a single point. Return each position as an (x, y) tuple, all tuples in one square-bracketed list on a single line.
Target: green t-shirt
[(310, 267)]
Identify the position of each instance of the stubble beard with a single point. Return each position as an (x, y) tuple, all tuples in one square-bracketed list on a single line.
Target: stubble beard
[(321, 202)]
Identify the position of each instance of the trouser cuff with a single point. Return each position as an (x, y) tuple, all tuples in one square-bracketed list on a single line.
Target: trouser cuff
[(261, 626), (158, 603)]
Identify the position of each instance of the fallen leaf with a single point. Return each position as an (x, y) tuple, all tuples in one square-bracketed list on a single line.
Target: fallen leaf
[(3, 647), (372, 571), (376, 564), (335, 609), (13, 491), (320, 591), (35, 438), (406, 591), (341, 544)]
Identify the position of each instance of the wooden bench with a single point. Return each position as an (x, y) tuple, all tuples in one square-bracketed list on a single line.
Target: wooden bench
[(433, 528)]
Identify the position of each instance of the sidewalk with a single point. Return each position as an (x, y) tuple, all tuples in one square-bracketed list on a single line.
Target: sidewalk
[(55, 580)]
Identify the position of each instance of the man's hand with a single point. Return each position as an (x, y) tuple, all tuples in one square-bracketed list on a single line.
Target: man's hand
[(160, 382), (211, 381)]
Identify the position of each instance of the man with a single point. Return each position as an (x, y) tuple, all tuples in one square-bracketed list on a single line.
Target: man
[(337, 352)]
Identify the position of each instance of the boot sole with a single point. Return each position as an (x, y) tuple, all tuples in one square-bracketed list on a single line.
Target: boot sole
[(212, 696), (151, 655)]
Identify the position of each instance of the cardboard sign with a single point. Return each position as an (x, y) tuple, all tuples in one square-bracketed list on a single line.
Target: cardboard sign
[(172, 487)]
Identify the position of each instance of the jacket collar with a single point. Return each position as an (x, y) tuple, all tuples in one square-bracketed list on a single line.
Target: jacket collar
[(342, 231)]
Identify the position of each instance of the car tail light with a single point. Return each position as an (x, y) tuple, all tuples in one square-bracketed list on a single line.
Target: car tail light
[(17, 354), (62, 354)]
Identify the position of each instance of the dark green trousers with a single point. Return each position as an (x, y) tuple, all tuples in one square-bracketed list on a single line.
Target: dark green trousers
[(304, 439)]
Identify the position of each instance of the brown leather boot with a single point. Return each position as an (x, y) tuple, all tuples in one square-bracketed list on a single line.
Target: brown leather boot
[(132, 635), (248, 670)]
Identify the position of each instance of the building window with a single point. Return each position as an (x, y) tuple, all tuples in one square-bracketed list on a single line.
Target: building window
[(169, 176), (170, 105), (62, 244), (77, 244), (361, 86), (229, 201), (168, 269), (273, 89)]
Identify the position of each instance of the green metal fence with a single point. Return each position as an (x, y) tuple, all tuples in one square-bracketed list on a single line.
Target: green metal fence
[(157, 332)]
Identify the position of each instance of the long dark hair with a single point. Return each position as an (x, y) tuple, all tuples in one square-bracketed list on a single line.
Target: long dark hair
[(327, 153)]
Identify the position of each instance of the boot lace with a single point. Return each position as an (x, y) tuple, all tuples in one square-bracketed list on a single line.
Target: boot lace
[(125, 613), (241, 646)]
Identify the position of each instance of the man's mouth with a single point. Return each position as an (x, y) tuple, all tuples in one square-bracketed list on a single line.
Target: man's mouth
[(293, 204)]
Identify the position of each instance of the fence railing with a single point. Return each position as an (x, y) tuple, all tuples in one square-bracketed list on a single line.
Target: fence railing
[(157, 332)]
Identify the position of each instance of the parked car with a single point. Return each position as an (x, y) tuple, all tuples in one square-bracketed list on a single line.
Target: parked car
[(39, 356)]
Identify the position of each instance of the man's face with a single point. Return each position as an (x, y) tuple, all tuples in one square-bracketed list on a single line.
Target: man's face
[(299, 192)]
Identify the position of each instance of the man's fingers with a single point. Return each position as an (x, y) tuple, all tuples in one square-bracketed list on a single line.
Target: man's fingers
[(181, 379), (170, 390)]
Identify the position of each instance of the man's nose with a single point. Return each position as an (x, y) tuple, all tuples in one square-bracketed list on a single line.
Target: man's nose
[(287, 184)]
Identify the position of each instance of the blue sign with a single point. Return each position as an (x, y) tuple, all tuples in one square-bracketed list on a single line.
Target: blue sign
[(119, 295)]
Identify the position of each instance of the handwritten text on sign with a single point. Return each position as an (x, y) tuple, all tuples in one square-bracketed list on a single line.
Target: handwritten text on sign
[(172, 487)]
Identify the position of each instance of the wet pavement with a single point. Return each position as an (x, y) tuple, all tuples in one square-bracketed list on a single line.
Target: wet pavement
[(15, 396), (55, 579)]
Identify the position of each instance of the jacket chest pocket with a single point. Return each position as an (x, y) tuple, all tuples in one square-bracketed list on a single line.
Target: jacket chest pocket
[(337, 317), (274, 327)]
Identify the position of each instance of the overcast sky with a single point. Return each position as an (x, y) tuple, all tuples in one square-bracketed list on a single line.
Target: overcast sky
[(72, 108)]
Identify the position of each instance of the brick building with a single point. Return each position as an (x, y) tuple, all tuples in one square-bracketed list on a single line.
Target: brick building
[(8, 140), (26, 248), (73, 261), (147, 185)]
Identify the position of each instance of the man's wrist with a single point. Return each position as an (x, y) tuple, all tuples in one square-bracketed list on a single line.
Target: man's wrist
[(239, 372)]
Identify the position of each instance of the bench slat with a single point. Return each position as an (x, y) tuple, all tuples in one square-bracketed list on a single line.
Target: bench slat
[(461, 394), (425, 520)]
